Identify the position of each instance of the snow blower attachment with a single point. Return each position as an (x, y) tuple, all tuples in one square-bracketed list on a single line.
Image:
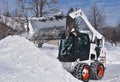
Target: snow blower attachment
[(81, 52)]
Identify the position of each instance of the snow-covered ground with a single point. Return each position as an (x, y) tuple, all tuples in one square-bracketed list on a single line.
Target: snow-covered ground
[(22, 61)]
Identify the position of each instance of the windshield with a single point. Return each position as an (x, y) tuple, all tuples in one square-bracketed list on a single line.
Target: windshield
[(66, 46), (74, 48)]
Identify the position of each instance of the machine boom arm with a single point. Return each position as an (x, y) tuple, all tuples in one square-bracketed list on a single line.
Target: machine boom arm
[(79, 13)]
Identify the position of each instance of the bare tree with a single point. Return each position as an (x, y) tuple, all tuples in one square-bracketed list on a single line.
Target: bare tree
[(96, 16), (118, 31), (6, 9), (22, 8), (0, 10), (42, 7), (37, 7), (111, 34), (23, 11)]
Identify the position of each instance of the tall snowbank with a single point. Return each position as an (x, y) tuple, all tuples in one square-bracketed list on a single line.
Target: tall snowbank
[(21, 61)]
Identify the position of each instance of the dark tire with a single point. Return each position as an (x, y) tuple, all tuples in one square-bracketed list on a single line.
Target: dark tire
[(97, 70), (82, 72)]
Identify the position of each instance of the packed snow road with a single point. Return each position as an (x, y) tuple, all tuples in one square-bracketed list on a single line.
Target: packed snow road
[(21, 61), (112, 73)]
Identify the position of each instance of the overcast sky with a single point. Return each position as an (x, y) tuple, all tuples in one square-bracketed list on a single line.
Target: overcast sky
[(111, 7)]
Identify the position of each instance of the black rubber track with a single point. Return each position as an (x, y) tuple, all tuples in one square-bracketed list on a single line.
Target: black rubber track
[(78, 71), (94, 70)]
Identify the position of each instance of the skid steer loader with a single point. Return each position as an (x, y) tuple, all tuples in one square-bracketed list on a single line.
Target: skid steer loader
[(82, 53)]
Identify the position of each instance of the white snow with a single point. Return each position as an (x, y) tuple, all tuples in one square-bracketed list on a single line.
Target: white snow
[(21, 61), (113, 55), (12, 22)]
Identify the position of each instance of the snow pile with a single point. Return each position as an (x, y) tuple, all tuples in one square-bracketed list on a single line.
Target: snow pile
[(21, 61)]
